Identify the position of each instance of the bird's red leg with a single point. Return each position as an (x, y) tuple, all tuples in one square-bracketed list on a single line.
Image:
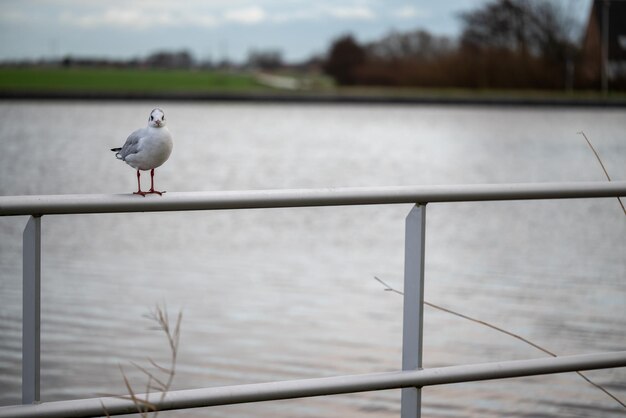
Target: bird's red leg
[(152, 184), (139, 185)]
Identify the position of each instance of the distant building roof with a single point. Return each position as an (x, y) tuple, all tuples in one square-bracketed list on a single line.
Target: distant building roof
[(592, 43)]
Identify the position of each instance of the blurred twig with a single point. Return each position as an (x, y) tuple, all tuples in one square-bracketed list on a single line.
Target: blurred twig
[(602, 165), (161, 384), (478, 321)]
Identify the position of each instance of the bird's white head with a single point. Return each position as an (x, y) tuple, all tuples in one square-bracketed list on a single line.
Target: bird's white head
[(157, 118)]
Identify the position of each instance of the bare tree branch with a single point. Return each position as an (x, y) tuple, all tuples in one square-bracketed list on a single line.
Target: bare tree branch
[(606, 173), (161, 317), (509, 333)]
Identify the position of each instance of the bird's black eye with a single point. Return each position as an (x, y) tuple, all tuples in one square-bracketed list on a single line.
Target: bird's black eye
[(151, 117)]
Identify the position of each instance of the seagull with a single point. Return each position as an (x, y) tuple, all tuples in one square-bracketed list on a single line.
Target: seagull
[(147, 148)]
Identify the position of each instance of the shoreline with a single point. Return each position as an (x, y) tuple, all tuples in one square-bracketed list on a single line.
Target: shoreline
[(319, 98)]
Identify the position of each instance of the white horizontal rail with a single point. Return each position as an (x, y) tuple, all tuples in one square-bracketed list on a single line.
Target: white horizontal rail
[(228, 395), (37, 206), (183, 201)]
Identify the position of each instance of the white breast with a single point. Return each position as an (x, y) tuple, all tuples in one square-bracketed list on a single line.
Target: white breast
[(153, 149)]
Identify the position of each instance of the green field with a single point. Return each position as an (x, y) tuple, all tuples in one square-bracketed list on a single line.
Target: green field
[(150, 82), (123, 80)]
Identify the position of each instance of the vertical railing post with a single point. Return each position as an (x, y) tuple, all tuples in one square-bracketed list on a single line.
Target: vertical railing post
[(413, 316), (31, 310)]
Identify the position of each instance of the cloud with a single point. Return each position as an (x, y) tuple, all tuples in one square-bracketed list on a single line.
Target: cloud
[(130, 19), (247, 15), (295, 15), (351, 13), (318, 10), (141, 15), (408, 12), (136, 19)]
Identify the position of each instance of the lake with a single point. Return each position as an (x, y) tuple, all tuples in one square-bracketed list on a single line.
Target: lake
[(290, 293)]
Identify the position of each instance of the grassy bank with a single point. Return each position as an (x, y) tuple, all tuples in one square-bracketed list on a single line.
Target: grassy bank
[(123, 80), (102, 83)]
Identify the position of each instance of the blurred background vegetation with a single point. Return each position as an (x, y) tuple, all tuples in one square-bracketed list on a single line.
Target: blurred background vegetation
[(512, 46)]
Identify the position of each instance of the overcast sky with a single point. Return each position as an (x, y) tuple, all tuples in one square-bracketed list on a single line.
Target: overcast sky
[(215, 29)]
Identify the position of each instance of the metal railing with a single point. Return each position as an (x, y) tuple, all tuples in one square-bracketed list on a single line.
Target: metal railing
[(410, 379)]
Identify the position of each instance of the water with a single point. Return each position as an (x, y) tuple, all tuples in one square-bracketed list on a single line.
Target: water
[(289, 293)]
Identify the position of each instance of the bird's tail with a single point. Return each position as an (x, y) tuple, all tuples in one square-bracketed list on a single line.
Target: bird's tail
[(117, 153)]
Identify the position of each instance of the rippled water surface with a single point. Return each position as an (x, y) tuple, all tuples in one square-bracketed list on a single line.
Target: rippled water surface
[(289, 293)]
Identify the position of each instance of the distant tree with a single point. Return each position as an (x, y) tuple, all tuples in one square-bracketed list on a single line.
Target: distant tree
[(407, 58), (518, 42), (343, 60), (171, 60), (418, 45), (501, 24), (554, 32), (504, 44), (538, 27), (67, 61), (265, 60)]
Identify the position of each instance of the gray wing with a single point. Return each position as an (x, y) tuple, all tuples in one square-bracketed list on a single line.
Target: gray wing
[(131, 146)]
